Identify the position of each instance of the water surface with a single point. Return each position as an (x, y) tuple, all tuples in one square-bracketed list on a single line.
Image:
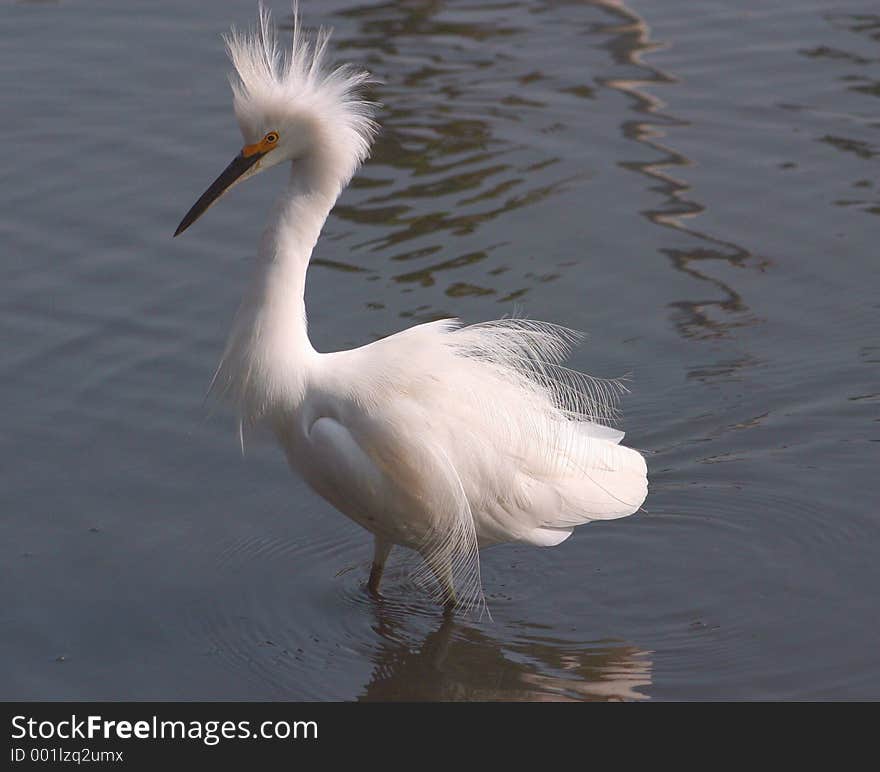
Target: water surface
[(693, 184)]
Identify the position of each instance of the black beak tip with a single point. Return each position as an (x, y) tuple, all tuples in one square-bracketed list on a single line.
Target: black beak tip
[(197, 211), (231, 174), (191, 216)]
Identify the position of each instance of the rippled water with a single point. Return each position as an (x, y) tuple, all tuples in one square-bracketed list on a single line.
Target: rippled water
[(694, 184)]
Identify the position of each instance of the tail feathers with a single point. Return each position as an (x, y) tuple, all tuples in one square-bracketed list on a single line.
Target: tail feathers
[(602, 492), (616, 489), (597, 431), (603, 496), (548, 537)]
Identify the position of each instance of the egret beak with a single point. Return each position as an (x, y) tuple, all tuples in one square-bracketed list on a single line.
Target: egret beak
[(245, 164)]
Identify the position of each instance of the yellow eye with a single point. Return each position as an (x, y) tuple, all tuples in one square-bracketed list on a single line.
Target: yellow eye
[(271, 138)]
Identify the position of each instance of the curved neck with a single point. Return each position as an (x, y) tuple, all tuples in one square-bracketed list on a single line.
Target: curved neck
[(286, 249), (268, 351), (299, 214)]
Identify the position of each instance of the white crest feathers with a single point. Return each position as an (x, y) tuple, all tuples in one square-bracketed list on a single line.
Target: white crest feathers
[(274, 83)]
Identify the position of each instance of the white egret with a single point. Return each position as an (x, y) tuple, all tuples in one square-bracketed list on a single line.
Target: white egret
[(441, 438)]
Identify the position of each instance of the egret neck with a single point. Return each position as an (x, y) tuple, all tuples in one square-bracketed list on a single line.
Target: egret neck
[(268, 354)]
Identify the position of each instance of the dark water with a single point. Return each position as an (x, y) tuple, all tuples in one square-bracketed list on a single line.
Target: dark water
[(694, 184)]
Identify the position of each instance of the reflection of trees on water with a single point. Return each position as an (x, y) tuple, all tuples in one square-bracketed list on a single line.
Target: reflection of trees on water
[(630, 38), (438, 168), (458, 662), (860, 75), (441, 169)]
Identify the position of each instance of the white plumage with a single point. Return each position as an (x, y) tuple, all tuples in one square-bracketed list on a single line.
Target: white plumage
[(441, 438)]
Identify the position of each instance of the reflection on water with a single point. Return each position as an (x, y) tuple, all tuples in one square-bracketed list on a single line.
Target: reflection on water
[(458, 662), (441, 169), (629, 40), (413, 650), (443, 166), (856, 73)]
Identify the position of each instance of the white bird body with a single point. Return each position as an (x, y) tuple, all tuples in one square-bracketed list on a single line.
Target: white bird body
[(440, 438)]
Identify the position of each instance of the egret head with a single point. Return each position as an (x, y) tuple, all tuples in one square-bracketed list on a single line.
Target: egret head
[(291, 107)]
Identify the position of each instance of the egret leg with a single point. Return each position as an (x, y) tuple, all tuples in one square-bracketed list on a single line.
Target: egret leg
[(441, 567), (380, 555)]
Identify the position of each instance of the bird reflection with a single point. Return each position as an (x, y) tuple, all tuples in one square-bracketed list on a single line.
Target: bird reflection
[(460, 662)]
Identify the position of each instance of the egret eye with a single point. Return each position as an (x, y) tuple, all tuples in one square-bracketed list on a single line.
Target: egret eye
[(271, 138)]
